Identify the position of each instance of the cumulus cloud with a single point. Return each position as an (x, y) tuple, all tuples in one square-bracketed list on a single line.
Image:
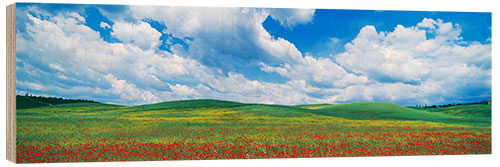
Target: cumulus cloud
[(407, 55), (227, 37), (317, 71), (128, 91), (291, 17), (77, 17), (134, 70), (237, 86), (425, 63), (141, 34), (56, 67), (183, 90), (104, 25), (32, 86), (71, 54)]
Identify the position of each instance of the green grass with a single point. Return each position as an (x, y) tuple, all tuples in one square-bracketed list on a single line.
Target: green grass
[(388, 111), (257, 128), (275, 111), (73, 110), (314, 106), (190, 104), (217, 110), (469, 110), (24, 102)]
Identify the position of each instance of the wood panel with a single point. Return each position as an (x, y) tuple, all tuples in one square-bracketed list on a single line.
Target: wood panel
[(11, 82)]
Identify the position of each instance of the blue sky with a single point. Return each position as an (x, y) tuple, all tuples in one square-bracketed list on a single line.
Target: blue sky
[(145, 54)]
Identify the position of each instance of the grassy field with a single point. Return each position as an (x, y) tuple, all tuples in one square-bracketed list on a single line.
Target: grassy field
[(214, 129)]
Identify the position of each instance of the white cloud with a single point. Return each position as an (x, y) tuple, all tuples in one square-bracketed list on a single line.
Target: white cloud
[(237, 86), (406, 55), (129, 91), (104, 25), (291, 17), (220, 40), (77, 17), (402, 66), (427, 23), (183, 91), (56, 67), (32, 85), (389, 92), (135, 75), (317, 71), (141, 34), (75, 50)]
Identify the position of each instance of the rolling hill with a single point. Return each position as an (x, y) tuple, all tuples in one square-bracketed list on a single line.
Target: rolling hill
[(206, 109), (191, 104), (23, 102), (468, 110), (388, 111)]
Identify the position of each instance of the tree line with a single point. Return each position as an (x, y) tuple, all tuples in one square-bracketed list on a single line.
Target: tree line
[(452, 104), (54, 100)]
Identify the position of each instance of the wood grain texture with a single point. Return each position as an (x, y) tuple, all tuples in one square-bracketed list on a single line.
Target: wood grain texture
[(11, 82)]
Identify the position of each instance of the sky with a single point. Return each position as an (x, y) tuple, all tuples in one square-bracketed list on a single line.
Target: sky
[(131, 55)]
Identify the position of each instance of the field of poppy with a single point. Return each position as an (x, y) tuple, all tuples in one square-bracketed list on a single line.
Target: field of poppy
[(213, 129)]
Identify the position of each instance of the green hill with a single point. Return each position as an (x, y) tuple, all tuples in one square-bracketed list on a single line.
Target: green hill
[(314, 106), (466, 110), (472, 114), (191, 104), (388, 111), (72, 110), (23, 102), (275, 110)]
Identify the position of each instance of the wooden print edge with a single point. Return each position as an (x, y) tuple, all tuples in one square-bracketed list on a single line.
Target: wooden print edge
[(11, 81)]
